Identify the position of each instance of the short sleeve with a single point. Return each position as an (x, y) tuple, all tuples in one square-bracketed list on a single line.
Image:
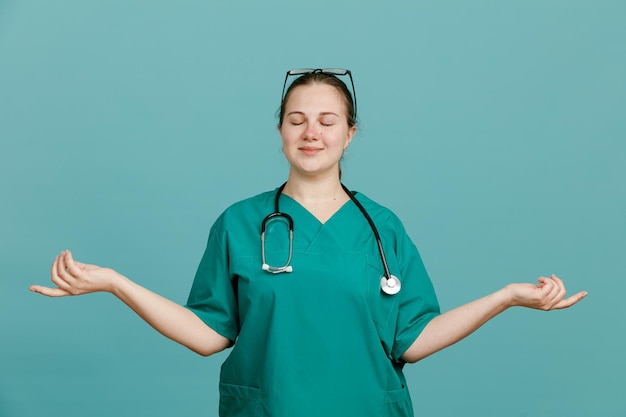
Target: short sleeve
[(212, 297), (418, 303)]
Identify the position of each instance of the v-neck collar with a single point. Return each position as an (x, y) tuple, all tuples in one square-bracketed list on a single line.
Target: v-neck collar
[(294, 203)]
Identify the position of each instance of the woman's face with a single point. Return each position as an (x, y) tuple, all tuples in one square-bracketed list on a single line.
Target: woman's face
[(315, 130)]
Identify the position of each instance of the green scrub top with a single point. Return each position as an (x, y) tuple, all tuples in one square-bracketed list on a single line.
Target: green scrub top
[(323, 340)]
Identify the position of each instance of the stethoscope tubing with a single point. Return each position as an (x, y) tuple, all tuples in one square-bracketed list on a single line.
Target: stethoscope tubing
[(379, 242), (277, 213)]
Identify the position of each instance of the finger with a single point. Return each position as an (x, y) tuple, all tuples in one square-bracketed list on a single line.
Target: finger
[(54, 273), (50, 292), (545, 281), (547, 285), (568, 302), (551, 293), (557, 292), (60, 283), (557, 280), (69, 262), (60, 265), (54, 267), (63, 269), (556, 287), (560, 285), (58, 274)]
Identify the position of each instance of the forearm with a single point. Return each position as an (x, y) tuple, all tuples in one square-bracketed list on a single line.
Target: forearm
[(170, 319), (454, 325)]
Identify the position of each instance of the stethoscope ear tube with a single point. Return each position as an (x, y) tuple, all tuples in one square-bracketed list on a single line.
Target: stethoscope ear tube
[(274, 215), (270, 217)]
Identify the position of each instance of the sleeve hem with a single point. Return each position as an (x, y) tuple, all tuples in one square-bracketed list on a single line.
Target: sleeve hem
[(411, 336), (229, 332)]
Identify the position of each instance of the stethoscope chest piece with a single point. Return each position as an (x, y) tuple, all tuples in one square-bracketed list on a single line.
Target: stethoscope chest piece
[(390, 286)]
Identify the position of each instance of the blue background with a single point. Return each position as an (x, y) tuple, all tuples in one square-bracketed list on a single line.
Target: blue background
[(495, 130)]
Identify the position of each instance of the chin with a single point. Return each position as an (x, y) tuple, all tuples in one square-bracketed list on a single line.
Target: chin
[(316, 172)]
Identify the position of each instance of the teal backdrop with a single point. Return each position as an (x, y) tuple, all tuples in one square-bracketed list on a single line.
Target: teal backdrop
[(495, 130)]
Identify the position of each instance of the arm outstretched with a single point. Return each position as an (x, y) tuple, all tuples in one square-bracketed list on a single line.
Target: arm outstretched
[(456, 324), (170, 319)]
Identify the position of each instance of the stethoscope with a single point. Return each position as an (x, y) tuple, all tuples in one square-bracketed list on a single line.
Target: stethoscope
[(389, 284)]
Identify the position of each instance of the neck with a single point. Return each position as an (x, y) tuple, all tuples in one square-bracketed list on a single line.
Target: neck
[(314, 189)]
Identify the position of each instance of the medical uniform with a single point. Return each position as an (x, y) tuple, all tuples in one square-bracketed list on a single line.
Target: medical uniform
[(323, 340)]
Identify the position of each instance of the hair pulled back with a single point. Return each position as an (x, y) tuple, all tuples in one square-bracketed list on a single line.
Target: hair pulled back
[(321, 78)]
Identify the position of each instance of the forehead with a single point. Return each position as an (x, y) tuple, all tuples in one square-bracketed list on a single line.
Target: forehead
[(323, 97)]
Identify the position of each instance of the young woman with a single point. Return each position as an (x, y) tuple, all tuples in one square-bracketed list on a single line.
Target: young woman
[(324, 311)]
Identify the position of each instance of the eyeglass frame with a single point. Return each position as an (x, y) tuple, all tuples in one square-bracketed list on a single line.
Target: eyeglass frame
[(330, 71)]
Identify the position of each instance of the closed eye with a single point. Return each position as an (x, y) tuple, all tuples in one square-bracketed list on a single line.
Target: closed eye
[(296, 121), (328, 118)]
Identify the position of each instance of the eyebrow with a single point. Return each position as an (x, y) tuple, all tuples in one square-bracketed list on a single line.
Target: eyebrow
[(324, 113)]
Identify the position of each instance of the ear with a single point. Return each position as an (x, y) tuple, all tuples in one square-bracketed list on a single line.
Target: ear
[(279, 128), (351, 132)]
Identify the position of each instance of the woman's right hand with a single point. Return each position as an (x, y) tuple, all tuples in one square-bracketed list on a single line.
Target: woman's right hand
[(169, 318), (75, 278)]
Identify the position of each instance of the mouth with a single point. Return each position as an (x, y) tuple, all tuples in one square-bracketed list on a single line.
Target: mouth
[(309, 150)]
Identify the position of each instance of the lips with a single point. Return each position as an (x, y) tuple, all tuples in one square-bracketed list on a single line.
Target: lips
[(309, 150)]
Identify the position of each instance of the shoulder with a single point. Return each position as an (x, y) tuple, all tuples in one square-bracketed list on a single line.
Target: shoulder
[(389, 225), (247, 209), (379, 213), (251, 203)]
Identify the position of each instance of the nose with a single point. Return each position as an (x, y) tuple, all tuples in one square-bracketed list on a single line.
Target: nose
[(311, 132)]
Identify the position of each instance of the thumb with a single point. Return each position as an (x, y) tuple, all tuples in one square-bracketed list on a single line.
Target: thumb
[(49, 292)]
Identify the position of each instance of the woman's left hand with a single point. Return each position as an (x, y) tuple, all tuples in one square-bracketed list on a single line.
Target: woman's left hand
[(454, 325), (549, 294)]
